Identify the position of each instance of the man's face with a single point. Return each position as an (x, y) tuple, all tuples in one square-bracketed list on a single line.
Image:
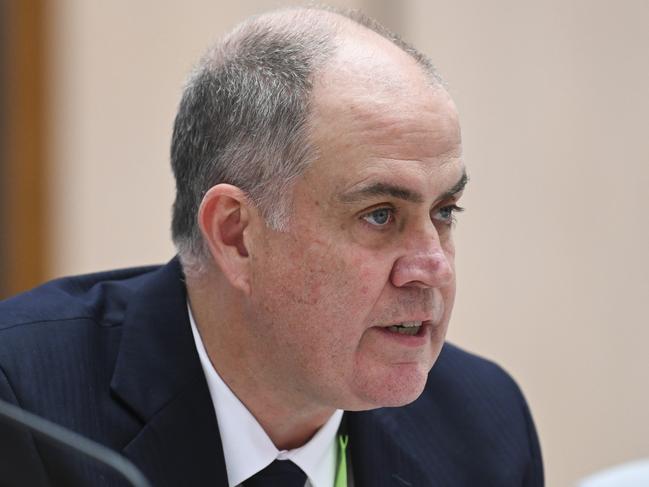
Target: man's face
[(351, 304)]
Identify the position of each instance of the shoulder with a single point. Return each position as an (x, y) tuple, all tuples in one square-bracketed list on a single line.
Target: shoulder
[(100, 296), (470, 426), (475, 406), (65, 330), (476, 394), (466, 374), (58, 345)]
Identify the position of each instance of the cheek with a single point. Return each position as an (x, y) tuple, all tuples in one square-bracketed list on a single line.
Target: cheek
[(329, 264), (293, 278), (338, 281), (324, 276)]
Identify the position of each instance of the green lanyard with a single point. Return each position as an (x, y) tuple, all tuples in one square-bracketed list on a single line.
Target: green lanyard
[(341, 473)]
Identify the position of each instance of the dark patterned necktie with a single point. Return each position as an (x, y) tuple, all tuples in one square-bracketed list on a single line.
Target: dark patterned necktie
[(280, 473)]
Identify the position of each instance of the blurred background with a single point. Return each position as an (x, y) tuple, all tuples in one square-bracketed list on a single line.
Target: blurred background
[(553, 271)]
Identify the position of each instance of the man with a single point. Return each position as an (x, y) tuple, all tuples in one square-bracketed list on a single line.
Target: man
[(318, 169)]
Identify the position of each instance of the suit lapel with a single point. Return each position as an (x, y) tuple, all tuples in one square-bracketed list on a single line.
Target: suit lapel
[(158, 376), (180, 445)]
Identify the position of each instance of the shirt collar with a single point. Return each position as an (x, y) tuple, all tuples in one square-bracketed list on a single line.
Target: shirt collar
[(246, 446)]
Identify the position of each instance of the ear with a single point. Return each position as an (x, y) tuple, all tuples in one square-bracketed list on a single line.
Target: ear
[(223, 217)]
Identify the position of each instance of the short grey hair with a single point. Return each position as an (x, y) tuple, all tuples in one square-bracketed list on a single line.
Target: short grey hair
[(244, 114)]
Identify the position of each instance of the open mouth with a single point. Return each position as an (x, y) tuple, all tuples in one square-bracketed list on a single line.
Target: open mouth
[(410, 328)]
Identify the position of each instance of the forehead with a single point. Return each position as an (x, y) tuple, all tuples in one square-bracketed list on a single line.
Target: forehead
[(417, 124), (392, 126)]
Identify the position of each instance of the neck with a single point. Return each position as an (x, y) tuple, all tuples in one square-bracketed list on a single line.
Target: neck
[(288, 420)]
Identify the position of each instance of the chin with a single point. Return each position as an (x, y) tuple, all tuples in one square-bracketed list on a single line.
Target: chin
[(398, 388), (403, 395)]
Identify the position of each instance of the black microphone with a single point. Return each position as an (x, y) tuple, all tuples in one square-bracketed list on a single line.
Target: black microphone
[(60, 436)]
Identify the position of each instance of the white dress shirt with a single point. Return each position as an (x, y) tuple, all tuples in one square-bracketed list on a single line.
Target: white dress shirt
[(246, 446)]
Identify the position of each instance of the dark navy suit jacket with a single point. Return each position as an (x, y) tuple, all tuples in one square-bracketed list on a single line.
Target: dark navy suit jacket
[(111, 356)]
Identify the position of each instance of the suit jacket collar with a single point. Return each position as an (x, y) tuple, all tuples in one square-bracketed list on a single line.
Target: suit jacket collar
[(158, 376)]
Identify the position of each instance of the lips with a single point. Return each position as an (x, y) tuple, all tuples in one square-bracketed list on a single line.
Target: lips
[(408, 333)]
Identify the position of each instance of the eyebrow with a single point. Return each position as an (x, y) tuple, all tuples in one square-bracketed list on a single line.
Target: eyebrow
[(400, 192), (457, 188)]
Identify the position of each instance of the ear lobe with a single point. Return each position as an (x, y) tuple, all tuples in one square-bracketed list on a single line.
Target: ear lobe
[(223, 218)]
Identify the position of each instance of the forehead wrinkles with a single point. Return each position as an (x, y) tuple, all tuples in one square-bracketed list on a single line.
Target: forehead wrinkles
[(428, 131), (423, 126)]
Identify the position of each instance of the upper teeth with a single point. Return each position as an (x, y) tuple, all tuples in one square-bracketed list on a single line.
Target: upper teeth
[(406, 328), (409, 324)]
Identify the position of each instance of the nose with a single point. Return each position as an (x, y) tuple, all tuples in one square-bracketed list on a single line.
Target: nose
[(424, 264)]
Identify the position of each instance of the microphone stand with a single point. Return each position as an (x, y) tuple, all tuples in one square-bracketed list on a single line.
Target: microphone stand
[(60, 436)]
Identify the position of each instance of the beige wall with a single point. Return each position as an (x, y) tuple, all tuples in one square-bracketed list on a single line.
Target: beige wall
[(553, 266), (552, 251)]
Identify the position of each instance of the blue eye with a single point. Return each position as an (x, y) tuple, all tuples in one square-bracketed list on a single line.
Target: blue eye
[(379, 217), (447, 214)]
